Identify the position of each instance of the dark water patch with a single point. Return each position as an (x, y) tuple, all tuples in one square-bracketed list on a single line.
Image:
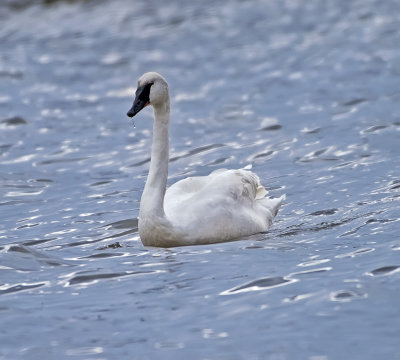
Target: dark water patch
[(260, 284), (312, 131), (196, 151), (45, 180), (366, 223), (21, 186), (27, 219), (355, 102), (7, 289), (4, 148), (29, 254), (25, 226), (113, 236), (108, 195), (316, 155), (12, 74), (21, 5), (308, 272), (103, 255), (13, 121), (305, 227), (80, 243), (101, 183), (394, 184), (330, 225), (53, 2), (380, 221), (319, 152), (265, 154), (218, 161), (346, 295), (62, 160), (342, 165), (115, 245), (142, 162), (12, 202), (373, 129), (298, 297), (324, 212), (20, 249), (366, 16), (272, 127), (90, 239), (124, 224), (88, 235), (87, 279), (384, 270), (37, 242), (254, 247), (292, 230)]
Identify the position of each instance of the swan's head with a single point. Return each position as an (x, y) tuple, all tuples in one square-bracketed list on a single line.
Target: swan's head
[(152, 89)]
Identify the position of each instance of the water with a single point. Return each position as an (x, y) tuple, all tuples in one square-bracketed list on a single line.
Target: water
[(306, 92)]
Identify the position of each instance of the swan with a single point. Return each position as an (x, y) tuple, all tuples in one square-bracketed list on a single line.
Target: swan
[(223, 206)]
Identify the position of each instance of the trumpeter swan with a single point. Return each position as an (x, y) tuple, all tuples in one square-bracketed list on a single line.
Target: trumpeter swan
[(223, 206)]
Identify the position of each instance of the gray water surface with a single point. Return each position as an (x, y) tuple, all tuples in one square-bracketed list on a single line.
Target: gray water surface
[(307, 92)]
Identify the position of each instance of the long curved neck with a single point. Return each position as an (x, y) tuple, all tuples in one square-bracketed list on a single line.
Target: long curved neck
[(152, 202)]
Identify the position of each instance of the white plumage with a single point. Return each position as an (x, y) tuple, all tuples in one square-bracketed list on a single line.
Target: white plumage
[(223, 206)]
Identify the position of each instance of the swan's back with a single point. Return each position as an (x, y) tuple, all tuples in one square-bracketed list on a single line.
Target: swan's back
[(224, 205)]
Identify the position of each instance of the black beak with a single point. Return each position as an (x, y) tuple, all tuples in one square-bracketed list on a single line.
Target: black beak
[(142, 99), (138, 105)]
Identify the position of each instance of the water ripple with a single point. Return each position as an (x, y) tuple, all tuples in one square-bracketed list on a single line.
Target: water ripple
[(195, 151), (7, 289), (13, 121), (267, 85), (259, 284), (87, 279), (346, 295), (384, 270), (25, 258)]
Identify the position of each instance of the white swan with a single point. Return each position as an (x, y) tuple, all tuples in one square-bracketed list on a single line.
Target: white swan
[(223, 206)]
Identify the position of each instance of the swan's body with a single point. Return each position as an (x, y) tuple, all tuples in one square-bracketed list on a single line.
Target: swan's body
[(223, 206)]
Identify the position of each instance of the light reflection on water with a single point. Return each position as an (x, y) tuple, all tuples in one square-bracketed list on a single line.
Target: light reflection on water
[(306, 94)]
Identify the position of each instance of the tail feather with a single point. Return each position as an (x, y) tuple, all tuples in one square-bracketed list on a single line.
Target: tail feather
[(279, 202), (273, 204)]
